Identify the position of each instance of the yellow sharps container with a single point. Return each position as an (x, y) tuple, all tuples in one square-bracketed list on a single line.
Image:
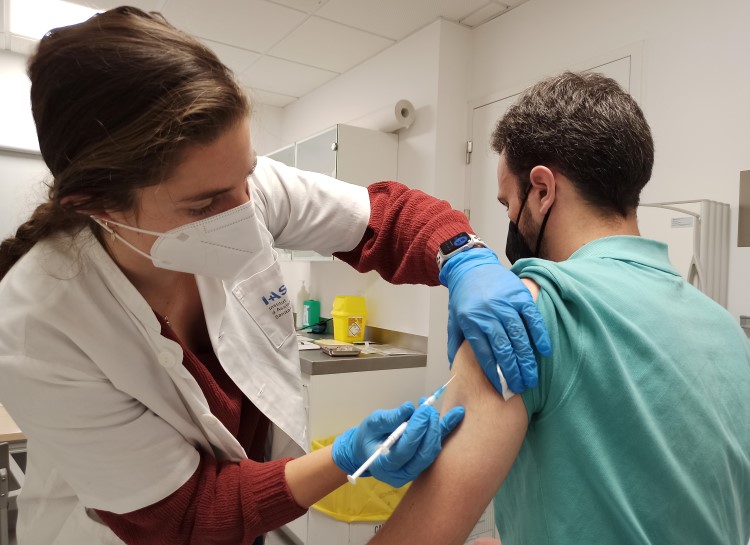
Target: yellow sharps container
[(349, 318)]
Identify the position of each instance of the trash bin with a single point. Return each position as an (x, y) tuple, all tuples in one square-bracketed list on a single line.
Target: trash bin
[(349, 315), (352, 514)]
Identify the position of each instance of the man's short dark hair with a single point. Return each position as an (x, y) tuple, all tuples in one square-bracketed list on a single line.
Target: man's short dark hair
[(587, 127)]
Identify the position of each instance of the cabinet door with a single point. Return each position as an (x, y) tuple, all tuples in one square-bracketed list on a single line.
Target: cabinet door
[(366, 156), (318, 153), (352, 154), (284, 155), (485, 526)]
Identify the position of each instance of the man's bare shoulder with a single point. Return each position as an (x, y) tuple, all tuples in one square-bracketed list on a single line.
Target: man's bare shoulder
[(532, 286)]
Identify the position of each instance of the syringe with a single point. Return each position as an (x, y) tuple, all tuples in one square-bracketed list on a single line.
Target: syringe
[(386, 445)]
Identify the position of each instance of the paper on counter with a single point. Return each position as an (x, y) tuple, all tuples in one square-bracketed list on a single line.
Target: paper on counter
[(390, 350), (306, 343)]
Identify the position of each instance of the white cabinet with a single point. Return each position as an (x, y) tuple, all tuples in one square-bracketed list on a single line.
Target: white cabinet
[(284, 155), (339, 399), (339, 394), (485, 526), (352, 154)]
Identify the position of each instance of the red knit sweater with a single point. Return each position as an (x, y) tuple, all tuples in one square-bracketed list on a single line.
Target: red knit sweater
[(226, 502)]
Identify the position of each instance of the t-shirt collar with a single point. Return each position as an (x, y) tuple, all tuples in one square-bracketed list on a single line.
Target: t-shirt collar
[(648, 252)]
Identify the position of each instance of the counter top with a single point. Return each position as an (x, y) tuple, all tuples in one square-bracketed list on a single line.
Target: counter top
[(9, 431), (317, 362)]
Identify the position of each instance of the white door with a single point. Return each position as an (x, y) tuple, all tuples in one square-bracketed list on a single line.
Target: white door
[(487, 216)]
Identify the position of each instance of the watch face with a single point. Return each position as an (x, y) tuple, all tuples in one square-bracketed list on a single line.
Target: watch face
[(454, 243)]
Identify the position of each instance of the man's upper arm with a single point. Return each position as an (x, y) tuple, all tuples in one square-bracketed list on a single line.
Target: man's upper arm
[(445, 502), (532, 286)]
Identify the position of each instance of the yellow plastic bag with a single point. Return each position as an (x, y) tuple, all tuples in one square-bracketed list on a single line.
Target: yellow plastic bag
[(368, 500)]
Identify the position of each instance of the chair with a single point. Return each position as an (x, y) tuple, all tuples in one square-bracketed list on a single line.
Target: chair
[(11, 481)]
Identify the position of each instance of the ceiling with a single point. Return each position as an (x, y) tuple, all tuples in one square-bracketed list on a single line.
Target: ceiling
[(283, 49)]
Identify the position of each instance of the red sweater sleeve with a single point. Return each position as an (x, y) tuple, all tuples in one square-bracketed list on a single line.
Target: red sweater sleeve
[(229, 503), (405, 230)]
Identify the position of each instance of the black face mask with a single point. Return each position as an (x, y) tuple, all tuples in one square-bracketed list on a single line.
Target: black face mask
[(516, 247)]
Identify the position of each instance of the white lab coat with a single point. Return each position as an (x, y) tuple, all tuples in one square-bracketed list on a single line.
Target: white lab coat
[(114, 421)]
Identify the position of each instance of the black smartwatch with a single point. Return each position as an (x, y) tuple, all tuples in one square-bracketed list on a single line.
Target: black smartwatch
[(456, 244)]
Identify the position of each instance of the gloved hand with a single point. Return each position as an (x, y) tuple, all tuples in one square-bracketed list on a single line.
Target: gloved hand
[(488, 305), (409, 456)]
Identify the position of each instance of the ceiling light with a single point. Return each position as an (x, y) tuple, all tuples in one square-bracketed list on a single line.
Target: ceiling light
[(34, 18)]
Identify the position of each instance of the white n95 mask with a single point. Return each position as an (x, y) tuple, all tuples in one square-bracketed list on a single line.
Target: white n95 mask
[(219, 246)]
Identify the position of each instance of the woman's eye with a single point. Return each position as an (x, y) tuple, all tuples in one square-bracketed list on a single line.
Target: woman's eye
[(201, 211)]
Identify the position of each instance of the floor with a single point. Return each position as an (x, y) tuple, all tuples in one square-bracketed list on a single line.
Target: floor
[(277, 538), (272, 538), (12, 531)]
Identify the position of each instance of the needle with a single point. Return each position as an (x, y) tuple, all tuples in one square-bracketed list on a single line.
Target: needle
[(386, 445)]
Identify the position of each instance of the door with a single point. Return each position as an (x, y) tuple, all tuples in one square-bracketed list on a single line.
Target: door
[(487, 216)]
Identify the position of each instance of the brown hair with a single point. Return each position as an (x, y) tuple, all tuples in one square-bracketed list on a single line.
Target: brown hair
[(117, 100), (589, 128)]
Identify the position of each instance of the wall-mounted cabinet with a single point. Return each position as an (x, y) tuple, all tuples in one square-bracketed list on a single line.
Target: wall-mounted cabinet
[(284, 155), (352, 154)]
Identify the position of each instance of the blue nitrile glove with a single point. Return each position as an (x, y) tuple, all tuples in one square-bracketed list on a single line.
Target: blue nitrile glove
[(488, 305), (409, 456)]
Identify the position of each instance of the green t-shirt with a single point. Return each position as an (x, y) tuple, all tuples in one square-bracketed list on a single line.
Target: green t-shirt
[(639, 430)]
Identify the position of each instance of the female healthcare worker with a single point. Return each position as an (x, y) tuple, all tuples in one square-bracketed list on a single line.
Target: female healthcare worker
[(146, 341)]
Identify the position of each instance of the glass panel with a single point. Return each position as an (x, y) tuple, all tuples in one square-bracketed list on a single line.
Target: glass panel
[(316, 154)]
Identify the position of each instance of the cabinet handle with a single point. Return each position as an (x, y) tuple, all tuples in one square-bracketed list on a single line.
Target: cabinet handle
[(335, 146)]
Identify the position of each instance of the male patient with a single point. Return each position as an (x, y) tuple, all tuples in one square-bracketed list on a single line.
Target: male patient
[(639, 430)]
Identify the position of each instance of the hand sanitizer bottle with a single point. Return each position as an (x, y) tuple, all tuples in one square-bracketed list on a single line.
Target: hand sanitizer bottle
[(302, 296)]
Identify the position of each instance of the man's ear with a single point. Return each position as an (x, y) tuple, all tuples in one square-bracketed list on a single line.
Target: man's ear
[(543, 180)]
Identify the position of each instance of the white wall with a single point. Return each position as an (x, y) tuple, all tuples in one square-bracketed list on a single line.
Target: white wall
[(266, 125), (432, 69), (454, 78), (696, 74), (429, 68), (408, 70), (22, 174), (695, 83), (17, 125), (22, 188)]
